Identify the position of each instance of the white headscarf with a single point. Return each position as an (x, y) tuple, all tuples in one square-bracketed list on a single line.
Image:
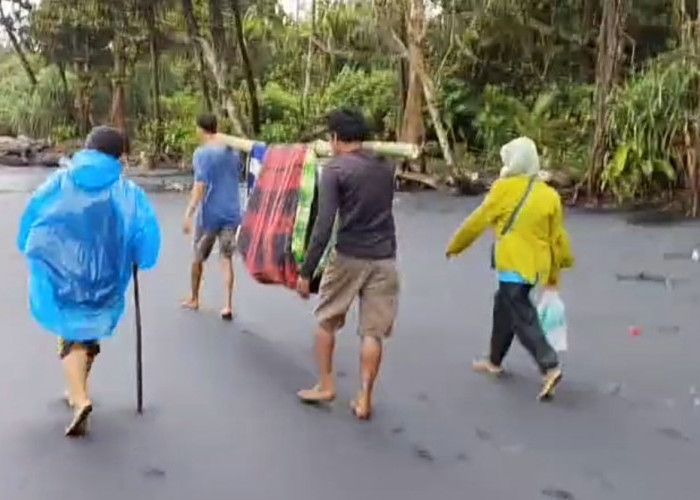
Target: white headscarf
[(520, 157)]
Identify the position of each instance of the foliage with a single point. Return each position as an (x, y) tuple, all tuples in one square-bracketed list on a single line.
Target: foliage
[(34, 112), (179, 112), (558, 120), (650, 116), (282, 112), (500, 68), (460, 106), (374, 92)]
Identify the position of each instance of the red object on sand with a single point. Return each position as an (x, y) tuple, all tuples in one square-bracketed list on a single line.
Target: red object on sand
[(265, 237), (635, 331)]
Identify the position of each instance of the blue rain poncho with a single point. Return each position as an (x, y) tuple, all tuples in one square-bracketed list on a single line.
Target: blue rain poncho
[(82, 232)]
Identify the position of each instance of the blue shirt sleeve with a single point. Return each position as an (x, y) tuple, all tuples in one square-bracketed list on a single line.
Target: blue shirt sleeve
[(201, 166), (147, 238)]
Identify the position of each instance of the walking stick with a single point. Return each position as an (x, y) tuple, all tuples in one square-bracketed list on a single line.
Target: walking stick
[(139, 357)]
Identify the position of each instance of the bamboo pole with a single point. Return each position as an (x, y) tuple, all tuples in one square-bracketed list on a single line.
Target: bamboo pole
[(401, 150)]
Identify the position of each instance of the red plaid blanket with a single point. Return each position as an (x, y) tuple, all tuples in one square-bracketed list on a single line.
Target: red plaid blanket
[(265, 237)]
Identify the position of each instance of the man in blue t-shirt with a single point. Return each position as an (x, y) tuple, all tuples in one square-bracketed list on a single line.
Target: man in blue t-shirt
[(215, 192)]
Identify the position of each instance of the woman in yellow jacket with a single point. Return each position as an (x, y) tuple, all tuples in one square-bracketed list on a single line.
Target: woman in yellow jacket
[(531, 248)]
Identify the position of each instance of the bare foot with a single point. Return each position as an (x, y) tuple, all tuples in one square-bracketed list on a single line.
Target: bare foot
[(361, 406), (486, 367), (191, 304), (316, 395)]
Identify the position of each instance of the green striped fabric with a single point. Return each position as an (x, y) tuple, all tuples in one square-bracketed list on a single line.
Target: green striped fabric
[(306, 198), (302, 222)]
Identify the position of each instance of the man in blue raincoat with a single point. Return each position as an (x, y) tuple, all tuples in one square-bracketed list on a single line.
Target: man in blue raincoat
[(82, 232)]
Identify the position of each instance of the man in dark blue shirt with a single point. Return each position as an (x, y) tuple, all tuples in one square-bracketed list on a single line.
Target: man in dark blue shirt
[(216, 194)]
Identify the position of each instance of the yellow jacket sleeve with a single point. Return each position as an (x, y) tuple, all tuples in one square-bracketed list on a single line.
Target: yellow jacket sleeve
[(562, 255), (479, 220)]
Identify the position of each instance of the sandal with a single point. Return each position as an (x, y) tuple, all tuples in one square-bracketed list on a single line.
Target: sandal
[(227, 315), (78, 427), (549, 384), (315, 396)]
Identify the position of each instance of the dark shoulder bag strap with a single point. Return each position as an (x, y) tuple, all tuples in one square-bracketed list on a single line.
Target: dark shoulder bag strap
[(512, 218), (518, 207)]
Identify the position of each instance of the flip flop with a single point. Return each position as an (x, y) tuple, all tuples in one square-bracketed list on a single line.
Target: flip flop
[(306, 397), (78, 426), (227, 315), (549, 387)]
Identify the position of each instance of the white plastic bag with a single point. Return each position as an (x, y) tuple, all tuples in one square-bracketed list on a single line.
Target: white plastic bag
[(552, 316)]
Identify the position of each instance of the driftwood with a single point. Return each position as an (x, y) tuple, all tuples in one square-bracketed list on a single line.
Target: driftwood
[(418, 178), (21, 146), (22, 151), (323, 149)]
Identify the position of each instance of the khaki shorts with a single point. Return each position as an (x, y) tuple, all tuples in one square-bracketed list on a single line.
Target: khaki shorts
[(375, 282), (204, 243), (91, 346)]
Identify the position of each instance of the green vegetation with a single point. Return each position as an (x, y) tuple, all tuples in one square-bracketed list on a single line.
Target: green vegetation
[(608, 89)]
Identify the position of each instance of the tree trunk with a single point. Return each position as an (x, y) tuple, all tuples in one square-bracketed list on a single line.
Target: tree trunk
[(117, 115), (413, 128), (217, 68), (421, 88), (217, 57), (404, 75), (218, 29), (218, 34), (693, 166), (83, 94), (82, 102), (247, 68), (440, 131), (309, 63), (119, 82), (155, 78), (193, 34), (70, 115), (588, 16), (17, 47), (696, 129), (689, 146), (610, 52)]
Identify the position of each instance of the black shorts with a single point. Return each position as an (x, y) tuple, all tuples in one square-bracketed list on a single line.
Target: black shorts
[(91, 346)]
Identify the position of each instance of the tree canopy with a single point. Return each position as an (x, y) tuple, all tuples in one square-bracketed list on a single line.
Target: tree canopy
[(607, 88)]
